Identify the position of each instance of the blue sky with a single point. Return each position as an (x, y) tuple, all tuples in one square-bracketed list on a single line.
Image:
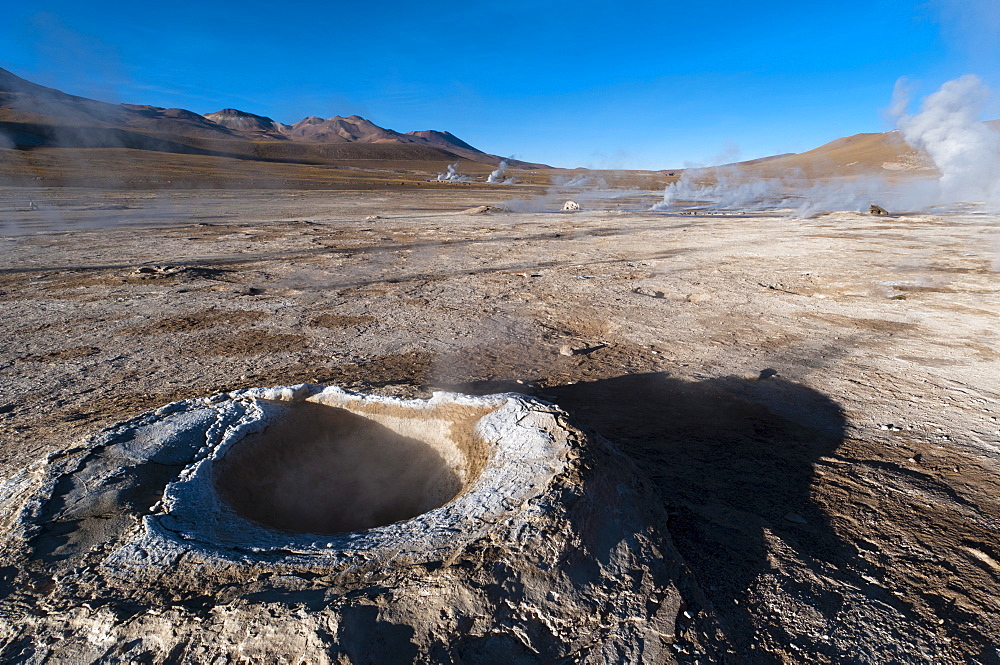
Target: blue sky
[(644, 85)]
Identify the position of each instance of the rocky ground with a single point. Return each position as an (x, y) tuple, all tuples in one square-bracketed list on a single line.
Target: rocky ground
[(813, 400)]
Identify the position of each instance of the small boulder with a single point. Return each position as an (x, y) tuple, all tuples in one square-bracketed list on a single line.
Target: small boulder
[(480, 210), (571, 206), (646, 291), (877, 210), (580, 349)]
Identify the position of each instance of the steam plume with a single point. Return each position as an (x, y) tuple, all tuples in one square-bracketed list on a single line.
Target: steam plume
[(965, 150), (497, 177), (452, 175)]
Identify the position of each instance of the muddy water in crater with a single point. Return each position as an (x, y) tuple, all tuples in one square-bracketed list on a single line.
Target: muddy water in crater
[(322, 469)]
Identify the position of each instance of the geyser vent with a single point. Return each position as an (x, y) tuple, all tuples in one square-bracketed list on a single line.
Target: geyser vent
[(321, 472), (324, 469)]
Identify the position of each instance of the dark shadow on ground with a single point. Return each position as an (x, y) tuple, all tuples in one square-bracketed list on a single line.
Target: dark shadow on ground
[(729, 457)]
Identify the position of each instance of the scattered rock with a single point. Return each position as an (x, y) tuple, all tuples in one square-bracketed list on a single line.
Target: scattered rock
[(777, 286), (699, 297), (162, 271), (580, 349), (241, 290), (767, 374), (60, 355), (157, 271), (571, 206), (877, 210), (481, 210), (646, 291), (372, 218), (795, 518)]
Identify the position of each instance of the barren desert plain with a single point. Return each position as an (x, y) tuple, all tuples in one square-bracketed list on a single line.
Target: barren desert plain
[(809, 402)]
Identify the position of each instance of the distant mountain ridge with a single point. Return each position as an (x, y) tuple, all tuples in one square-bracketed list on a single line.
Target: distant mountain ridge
[(341, 129), (33, 115), (243, 121)]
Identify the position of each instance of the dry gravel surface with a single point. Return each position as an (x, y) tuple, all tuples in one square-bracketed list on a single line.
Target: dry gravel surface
[(803, 413)]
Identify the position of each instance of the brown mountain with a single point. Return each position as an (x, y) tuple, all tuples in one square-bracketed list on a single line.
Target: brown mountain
[(344, 130), (242, 121), (33, 116), (450, 142), (356, 129), (884, 153), (881, 152)]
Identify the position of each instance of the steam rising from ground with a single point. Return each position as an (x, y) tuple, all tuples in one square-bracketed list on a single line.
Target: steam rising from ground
[(452, 175), (579, 180), (965, 151), (499, 175), (591, 191), (947, 129), (733, 188)]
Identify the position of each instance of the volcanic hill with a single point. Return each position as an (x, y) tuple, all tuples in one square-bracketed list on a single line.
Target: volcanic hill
[(59, 138)]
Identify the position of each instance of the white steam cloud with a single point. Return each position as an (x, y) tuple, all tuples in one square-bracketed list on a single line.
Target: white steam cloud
[(947, 130), (579, 180), (499, 175), (591, 192), (965, 150), (731, 188), (724, 188), (452, 175)]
